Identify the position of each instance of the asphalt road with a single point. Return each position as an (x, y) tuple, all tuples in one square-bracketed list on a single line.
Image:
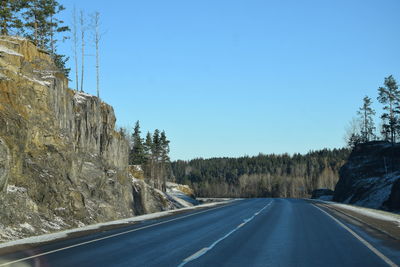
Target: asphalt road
[(253, 232)]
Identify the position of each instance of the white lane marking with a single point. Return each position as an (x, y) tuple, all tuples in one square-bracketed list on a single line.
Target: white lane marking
[(203, 251), (196, 255), (359, 238), (105, 237)]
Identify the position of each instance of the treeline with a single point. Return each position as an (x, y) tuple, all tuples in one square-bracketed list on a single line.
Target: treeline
[(262, 175), (36, 20), (364, 129), (151, 153)]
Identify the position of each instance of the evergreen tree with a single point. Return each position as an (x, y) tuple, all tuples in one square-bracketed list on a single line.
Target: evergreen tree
[(60, 61), (147, 148), (366, 113), (137, 154), (262, 175), (9, 15), (156, 152), (389, 96), (164, 143), (354, 140), (42, 25), (164, 157)]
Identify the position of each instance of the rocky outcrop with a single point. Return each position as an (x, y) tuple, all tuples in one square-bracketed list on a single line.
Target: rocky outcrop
[(62, 164), (371, 176)]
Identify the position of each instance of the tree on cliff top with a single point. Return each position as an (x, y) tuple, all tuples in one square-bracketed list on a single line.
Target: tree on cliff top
[(9, 15), (42, 25), (97, 37), (137, 154), (389, 95), (164, 158), (366, 114)]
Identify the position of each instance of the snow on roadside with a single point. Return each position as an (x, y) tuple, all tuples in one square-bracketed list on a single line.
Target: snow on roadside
[(178, 193), (63, 234), (377, 214)]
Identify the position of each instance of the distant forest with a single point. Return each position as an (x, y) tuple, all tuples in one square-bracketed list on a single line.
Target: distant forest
[(262, 175)]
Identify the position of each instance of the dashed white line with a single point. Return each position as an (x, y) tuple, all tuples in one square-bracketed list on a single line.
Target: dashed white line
[(105, 237), (196, 255), (203, 251), (359, 238), (240, 225)]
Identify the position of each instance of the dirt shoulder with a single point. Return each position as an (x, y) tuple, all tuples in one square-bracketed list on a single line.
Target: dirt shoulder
[(385, 222)]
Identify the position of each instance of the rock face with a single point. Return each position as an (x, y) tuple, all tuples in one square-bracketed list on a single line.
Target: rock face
[(62, 164), (371, 176)]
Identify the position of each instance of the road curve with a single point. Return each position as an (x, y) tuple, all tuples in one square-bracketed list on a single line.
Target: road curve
[(251, 232)]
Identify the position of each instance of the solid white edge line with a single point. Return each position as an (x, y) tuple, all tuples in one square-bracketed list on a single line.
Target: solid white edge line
[(105, 237), (203, 251), (359, 238)]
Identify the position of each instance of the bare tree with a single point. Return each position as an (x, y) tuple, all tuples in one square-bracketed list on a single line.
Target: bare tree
[(75, 47), (83, 29), (97, 37), (352, 135)]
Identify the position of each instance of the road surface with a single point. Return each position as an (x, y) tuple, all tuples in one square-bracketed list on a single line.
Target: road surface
[(251, 232)]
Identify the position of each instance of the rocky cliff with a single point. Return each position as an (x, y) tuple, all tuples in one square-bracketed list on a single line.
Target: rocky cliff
[(371, 177), (62, 164)]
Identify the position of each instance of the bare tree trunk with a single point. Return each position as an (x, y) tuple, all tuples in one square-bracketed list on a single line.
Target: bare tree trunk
[(82, 21), (52, 36), (97, 40), (152, 176), (75, 40), (36, 33), (4, 30)]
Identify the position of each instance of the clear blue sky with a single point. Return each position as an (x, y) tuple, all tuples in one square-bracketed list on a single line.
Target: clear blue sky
[(239, 77)]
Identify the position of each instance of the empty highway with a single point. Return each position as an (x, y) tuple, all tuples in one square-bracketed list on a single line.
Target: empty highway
[(251, 232)]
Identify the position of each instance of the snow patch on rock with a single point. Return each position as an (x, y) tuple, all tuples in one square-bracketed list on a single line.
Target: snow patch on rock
[(81, 97), (44, 83), (15, 189), (9, 51)]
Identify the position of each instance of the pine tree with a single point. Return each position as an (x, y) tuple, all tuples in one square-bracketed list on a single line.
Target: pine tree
[(147, 147), (366, 114), (9, 15), (165, 161), (389, 96), (156, 152), (164, 143), (55, 24), (137, 154), (42, 25)]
